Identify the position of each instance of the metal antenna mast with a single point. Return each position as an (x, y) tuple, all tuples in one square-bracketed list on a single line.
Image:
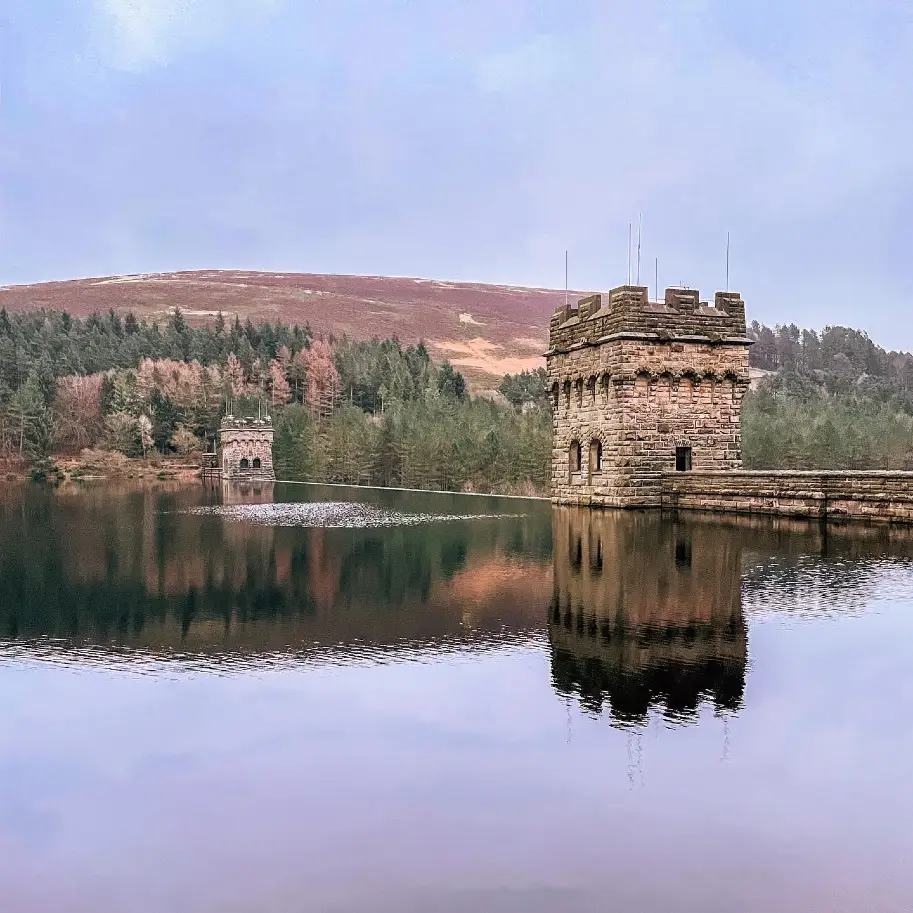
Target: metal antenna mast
[(640, 231), (727, 261)]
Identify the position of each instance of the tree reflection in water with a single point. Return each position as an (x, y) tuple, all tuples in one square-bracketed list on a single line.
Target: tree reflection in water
[(636, 611)]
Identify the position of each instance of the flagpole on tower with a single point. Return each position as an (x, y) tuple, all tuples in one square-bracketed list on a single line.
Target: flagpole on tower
[(640, 231)]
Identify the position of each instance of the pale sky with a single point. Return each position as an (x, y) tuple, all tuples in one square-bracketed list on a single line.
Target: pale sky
[(470, 140)]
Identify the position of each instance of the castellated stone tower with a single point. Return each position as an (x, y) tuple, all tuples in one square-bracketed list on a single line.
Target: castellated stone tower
[(247, 449), (642, 387)]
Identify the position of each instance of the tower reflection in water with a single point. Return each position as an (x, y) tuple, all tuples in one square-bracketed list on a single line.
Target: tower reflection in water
[(646, 614)]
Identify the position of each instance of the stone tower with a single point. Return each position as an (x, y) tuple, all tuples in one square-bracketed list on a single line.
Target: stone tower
[(641, 387), (247, 448)]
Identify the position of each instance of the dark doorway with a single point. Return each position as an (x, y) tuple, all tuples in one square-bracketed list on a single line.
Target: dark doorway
[(682, 459), (243, 464), (256, 462)]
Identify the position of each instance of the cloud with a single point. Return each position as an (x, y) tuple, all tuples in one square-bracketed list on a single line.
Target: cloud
[(135, 35), (476, 140), (529, 65)]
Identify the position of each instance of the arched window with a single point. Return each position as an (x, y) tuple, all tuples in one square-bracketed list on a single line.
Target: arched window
[(256, 463), (244, 464), (596, 455), (555, 394), (574, 456)]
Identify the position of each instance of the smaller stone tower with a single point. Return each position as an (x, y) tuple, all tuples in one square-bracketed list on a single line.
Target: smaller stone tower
[(247, 449)]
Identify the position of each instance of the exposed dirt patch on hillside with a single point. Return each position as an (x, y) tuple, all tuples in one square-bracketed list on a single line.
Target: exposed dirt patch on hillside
[(481, 355)]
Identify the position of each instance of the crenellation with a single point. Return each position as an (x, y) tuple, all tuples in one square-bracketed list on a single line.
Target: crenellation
[(673, 375)]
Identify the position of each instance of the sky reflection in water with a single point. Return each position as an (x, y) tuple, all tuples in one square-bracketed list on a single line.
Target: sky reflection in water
[(533, 709)]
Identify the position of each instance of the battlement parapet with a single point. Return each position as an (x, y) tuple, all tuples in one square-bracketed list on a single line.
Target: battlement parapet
[(236, 423), (630, 312)]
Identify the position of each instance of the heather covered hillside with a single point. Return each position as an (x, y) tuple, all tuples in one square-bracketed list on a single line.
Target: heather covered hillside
[(484, 330)]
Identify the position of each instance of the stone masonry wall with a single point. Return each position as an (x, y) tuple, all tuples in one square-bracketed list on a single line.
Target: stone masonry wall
[(870, 496), (246, 440), (642, 392)]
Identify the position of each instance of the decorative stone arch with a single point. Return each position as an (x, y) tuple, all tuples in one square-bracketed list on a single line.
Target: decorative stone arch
[(592, 441), (605, 382), (715, 380), (566, 389), (574, 452), (584, 434), (578, 390), (731, 381), (596, 443), (595, 457), (664, 383), (687, 383), (642, 380)]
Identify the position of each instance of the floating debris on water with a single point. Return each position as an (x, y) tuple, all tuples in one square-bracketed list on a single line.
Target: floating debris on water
[(330, 514)]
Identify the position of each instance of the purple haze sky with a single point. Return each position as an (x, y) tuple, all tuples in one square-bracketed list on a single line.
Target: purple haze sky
[(469, 140)]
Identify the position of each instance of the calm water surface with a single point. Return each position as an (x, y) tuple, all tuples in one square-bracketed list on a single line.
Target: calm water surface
[(308, 699)]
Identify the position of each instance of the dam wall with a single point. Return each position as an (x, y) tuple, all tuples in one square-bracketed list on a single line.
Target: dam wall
[(883, 497)]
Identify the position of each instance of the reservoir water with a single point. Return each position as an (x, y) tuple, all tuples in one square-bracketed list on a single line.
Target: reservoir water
[(322, 699)]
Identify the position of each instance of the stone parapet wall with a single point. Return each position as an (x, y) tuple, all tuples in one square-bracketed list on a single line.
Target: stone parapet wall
[(869, 496), (627, 310)]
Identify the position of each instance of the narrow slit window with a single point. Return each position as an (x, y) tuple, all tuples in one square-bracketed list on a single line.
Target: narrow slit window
[(683, 459)]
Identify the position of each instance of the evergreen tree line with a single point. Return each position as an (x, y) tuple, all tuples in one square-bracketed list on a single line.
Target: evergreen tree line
[(370, 411), (378, 412), (435, 441), (835, 400)]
